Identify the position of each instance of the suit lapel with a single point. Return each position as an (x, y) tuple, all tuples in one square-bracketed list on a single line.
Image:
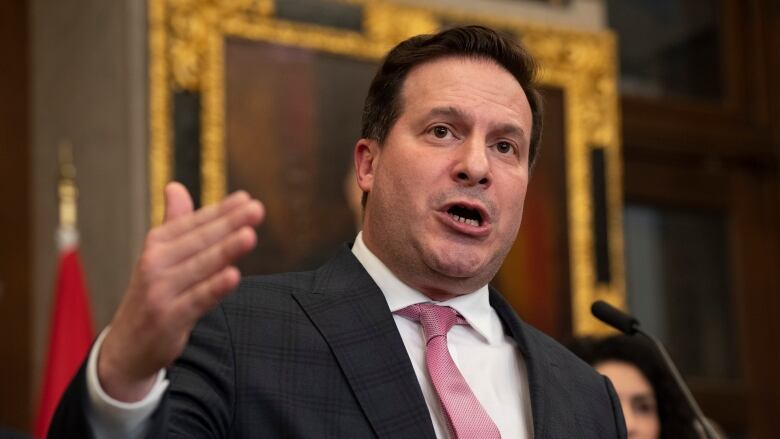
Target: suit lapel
[(548, 395), (352, 315)]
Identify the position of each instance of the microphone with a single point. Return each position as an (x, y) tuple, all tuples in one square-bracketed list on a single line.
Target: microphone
[(614, 317), (629, 325)]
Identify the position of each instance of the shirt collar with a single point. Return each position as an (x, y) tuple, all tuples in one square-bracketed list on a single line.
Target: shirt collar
[(474, 307)]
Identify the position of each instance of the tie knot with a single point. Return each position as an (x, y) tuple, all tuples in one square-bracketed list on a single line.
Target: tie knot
[(435, 320)]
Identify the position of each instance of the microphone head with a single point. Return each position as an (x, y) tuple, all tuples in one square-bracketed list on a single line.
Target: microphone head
[(623, 322)]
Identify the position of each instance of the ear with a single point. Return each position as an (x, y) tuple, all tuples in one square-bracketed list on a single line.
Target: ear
[(366, 160)]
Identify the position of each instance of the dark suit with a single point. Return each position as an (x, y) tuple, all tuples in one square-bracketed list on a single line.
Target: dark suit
[(318, 355)]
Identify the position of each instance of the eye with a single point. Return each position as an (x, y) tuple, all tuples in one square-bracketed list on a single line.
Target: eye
[(643, 405), (440, 131), (504, 147)]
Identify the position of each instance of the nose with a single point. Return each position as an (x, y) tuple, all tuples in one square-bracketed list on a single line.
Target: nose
[(628, 416), (472, 166)]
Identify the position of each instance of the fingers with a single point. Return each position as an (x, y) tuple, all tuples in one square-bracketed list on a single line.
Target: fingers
[(183, 224), (210, 233), (177, 201), (206, 294), (213, 259), (194, 246)]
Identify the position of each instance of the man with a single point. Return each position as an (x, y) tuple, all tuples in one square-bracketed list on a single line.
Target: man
[(397, 337)]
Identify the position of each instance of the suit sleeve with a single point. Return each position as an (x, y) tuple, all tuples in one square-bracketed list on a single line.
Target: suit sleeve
[(199, 401), (70, 418), (620, 422)]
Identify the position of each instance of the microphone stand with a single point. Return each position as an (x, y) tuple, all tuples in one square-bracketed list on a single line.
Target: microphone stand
[(629, 325), (707, 429)]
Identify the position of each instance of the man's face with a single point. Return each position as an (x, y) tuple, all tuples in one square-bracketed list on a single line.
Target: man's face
[(446, 188)]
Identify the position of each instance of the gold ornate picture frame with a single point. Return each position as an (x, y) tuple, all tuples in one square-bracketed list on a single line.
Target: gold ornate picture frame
[(187, 40)]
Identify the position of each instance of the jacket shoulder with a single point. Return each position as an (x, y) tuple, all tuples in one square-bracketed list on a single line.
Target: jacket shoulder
[(587, 396), (269, 288)]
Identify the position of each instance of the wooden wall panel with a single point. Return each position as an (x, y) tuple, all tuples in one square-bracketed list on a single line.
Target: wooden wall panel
[(15, 297), (725, 156)]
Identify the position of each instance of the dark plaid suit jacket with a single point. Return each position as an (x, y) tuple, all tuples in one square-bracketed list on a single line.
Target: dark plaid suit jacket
[(318, 355)]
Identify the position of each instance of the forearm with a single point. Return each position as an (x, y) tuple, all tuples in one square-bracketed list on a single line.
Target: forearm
[(110, 418)]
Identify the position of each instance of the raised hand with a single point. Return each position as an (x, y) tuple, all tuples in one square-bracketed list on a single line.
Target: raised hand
[(184, 270)]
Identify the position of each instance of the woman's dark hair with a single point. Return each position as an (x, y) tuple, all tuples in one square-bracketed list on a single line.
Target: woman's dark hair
[(383, 104), (676, 418)]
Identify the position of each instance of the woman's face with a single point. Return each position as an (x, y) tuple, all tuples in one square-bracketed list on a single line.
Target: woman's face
[(636, 398)]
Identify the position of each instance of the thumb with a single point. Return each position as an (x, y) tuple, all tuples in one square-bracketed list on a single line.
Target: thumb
[(177, 201)]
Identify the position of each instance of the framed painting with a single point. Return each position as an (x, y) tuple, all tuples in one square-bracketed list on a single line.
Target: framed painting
[(267, 97)]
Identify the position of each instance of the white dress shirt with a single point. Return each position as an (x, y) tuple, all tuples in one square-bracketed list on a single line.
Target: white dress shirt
[(487, 358), (110, 418)]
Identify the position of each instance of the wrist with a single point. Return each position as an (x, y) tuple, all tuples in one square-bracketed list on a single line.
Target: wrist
[(117, 382)]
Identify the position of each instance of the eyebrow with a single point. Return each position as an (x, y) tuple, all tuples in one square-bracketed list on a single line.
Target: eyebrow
[(504, 129), (510, 129), (447, 111)]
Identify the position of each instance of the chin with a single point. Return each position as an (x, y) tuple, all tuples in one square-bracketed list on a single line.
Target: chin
[(458, 263)]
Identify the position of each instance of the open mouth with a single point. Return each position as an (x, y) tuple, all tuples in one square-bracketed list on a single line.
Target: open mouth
[(465, 215)]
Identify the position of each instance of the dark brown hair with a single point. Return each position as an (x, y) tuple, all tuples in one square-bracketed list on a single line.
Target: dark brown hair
[(383, 105)]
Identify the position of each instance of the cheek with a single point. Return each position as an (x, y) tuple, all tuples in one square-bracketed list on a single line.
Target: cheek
[(400, 190), (514, 199), (645, 422), (651, 420)]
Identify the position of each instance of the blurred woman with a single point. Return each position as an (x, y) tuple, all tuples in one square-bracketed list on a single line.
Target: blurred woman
[(652, 404)]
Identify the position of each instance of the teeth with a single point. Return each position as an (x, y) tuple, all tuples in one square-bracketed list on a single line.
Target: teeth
[(471, 222)]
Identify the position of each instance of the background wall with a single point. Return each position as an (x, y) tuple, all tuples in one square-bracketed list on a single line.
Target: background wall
[(15, 198), (581, 14), (88, 86)]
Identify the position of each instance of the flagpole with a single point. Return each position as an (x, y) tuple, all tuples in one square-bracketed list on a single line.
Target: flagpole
[(67, 233), (70, 327)]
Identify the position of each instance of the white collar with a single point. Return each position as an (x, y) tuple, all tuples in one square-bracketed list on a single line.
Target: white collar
[(474, 307)]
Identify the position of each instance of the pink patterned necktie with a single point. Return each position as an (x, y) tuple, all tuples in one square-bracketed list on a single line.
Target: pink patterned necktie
[(466, 417)]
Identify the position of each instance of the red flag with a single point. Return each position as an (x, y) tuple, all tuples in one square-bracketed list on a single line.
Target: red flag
[(70, 336)]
